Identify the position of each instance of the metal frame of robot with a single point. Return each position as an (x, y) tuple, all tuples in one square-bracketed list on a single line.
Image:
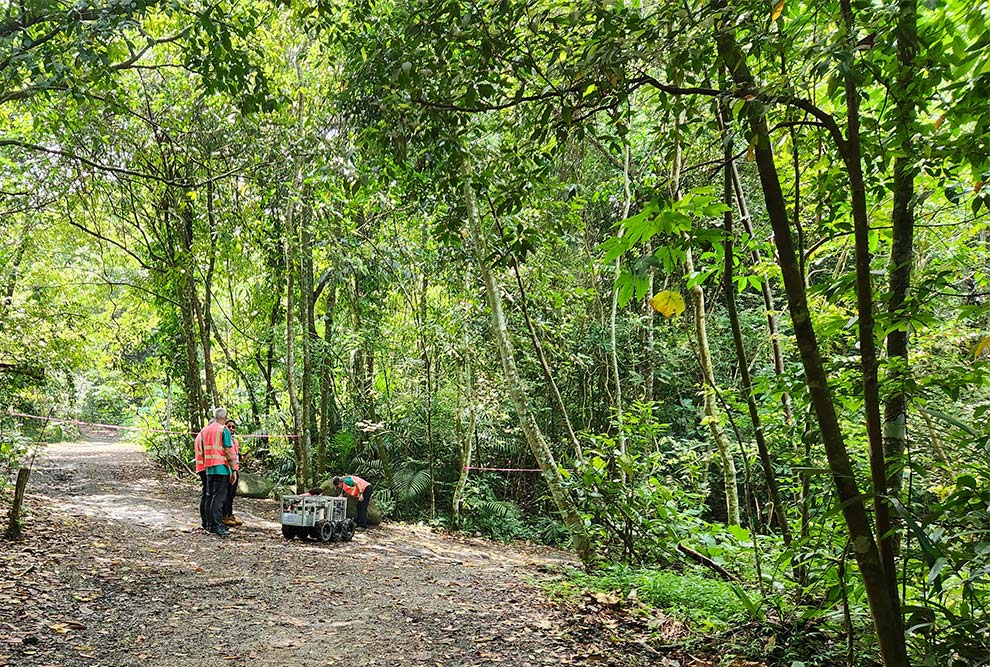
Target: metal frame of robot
[(322, 518)]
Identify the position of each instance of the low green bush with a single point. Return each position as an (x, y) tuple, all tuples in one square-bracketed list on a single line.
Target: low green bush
[(708, 605)]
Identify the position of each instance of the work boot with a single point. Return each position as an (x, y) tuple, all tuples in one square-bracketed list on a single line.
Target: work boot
[(237, 522), (230, 521)]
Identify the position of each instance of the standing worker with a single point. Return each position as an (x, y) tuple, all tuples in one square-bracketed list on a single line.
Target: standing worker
[(204, 518), (353, 485), (228, 507), (215, 445)]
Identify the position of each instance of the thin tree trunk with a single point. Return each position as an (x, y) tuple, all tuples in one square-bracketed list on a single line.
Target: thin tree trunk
[(306, 307), (427, 376), (867, 336), (541, 356), (271, 397), (467, 448), (204, 311), (363, 362), (194, 386), (14, 520), (302, 472), (766, 291), (613, 316), (538, 445), (737, 338), (722, 444), (187, 307), (902, 247), (329, 419), (14, 275), (884, 609), (649, 345)]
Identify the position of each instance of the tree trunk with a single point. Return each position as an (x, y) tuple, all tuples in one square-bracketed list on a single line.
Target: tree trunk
[(737, 339), (722, 444), (302, 467), (204, 315), (613, 315), (541, 356), (427, 360), (306, 308), (902, 246), (266, 366), (467, 448), (766, 292), (884, 609), (329, 417), (182, 268), (194, 386), (867, 337), (14, 520), (541, 450), (14, 275), (708, 388)]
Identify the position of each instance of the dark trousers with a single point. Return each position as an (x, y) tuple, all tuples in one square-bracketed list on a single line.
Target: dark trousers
[(204, 518), (216, 496), (228, 506), (362, 508)]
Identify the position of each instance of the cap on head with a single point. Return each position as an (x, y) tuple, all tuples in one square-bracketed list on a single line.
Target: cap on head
[(219, 413), (336, 481)]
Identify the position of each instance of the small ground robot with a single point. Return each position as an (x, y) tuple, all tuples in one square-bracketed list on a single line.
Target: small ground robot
[(322, 518)]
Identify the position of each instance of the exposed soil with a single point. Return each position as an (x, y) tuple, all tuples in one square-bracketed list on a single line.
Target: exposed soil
[(112, 573)]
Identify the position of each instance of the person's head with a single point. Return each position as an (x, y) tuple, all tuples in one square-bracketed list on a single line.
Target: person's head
[(231, 425), (337, 481), (219, 414)]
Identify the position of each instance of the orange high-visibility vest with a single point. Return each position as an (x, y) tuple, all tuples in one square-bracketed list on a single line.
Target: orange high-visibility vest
[(198, 451), (236, 449), (357, 488), (211, 442)]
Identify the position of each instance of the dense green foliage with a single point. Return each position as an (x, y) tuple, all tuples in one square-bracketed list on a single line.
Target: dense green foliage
[(312, 214)]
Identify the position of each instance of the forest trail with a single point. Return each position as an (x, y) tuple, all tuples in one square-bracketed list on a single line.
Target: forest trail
[(111, 574)]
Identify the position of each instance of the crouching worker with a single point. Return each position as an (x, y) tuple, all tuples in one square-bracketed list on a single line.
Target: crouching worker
[(353, 485)]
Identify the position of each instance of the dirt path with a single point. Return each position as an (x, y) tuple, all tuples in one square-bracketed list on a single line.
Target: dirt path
[(110, 575)]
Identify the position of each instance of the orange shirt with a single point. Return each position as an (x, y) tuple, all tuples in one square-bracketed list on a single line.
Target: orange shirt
[(354, 486)]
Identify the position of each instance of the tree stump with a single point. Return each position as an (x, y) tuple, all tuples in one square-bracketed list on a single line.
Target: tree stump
[(14, 524)]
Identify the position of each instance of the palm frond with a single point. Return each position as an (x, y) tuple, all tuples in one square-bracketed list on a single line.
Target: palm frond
[(410, 482)]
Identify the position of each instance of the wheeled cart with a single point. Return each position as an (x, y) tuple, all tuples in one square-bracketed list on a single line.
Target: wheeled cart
[(322, 518)]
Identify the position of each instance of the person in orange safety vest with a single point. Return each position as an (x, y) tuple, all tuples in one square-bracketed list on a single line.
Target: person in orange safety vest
[(353, 485), (228, 507), (215, 460)]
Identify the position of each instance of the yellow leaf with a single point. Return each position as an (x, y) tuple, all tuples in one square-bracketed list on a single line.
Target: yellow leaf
[(939, 121), (751, 153), (607, 599), (778, 9), (668, 304), (982, 348)]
